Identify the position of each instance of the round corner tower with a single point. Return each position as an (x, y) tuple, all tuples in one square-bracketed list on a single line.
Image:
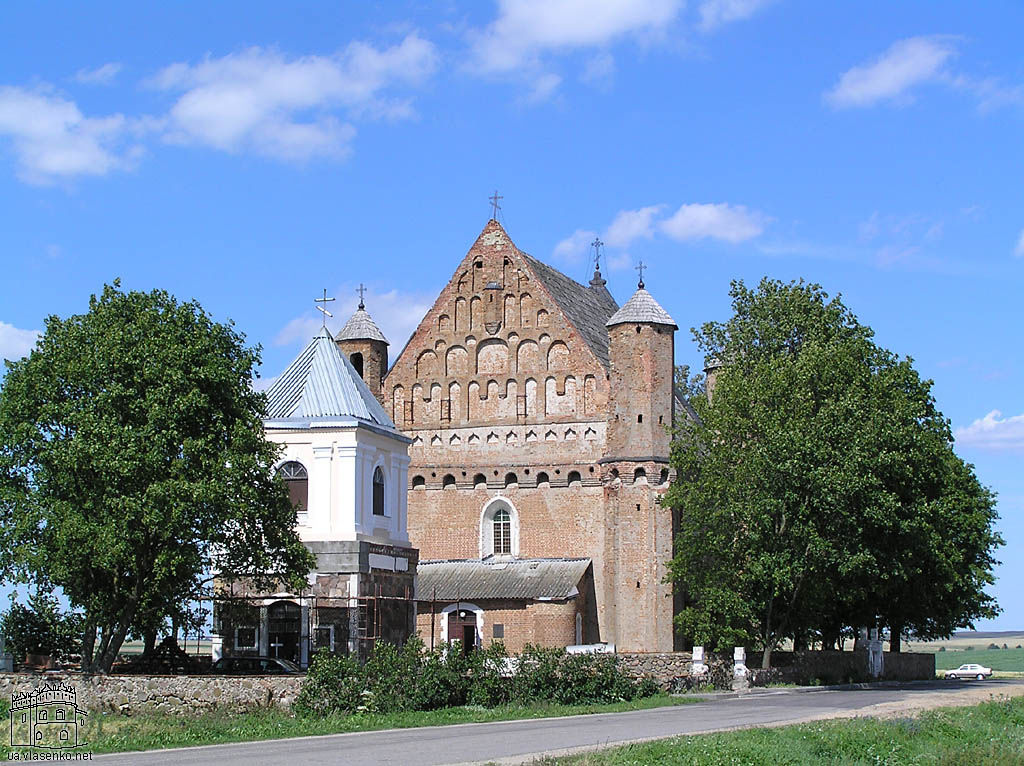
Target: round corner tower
[(641, 409), (366, 348)]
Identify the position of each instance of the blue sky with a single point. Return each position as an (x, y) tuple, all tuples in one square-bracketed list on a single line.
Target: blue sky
[(250, 156)]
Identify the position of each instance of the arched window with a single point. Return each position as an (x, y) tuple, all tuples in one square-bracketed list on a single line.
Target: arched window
[(378, 491), (297, 481), (418, 482), (664, 476), (448, 481), (499, 528), (542, 478), (510, 479), (357, 362), (574, 477), (480, 481), (502, 532), (639, 475)]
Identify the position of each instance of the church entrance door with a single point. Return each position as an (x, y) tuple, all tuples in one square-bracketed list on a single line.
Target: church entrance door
[(462, 628), (284, 618)]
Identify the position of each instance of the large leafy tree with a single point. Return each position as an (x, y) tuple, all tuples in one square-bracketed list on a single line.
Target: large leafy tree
[(818, 488), (133, 465)]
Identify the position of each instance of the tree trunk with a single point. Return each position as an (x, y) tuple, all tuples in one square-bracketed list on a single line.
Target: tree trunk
[(149, 642), (800, 642), (766, 657), (895, 637), (113, 646), (88, 645)]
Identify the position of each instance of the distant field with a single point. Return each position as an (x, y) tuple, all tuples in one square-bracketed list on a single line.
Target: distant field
[(997, 659), (962, 640)]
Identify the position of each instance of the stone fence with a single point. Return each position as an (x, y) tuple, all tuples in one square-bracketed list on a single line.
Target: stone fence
[(674, 670), (167, 694)]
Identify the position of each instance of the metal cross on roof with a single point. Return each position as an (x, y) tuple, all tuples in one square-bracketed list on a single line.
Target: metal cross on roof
[(323, 309), (495, 207), (641, 268), (597, 244), (361, 289)]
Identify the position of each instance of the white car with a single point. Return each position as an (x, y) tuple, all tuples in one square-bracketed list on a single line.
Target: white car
[(970, 670)]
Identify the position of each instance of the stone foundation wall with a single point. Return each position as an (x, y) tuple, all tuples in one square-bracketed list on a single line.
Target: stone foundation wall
[(128, 695), (672, 669)]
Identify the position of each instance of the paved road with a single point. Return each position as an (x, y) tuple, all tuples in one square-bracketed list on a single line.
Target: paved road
[(480, 742)]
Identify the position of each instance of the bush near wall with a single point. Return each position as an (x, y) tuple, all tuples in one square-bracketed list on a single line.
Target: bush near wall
[(409, 678)]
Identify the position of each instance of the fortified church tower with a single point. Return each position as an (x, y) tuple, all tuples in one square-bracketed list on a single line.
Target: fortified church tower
[(538, 411)]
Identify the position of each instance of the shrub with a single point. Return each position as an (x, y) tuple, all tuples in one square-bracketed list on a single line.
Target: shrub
[(992, 646), (942, 648), (334, 684), (409, 678)]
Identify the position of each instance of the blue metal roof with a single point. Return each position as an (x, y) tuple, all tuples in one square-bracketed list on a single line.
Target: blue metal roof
[(321, 383)]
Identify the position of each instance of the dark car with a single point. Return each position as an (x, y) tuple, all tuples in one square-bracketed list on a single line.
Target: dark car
[(254, 666)]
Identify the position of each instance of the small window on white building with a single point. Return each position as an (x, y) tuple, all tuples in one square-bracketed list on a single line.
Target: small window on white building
[(378, 492), (297, 481), (245, 637)]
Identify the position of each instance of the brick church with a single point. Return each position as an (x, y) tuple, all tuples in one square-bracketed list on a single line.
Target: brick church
[(537, 409)]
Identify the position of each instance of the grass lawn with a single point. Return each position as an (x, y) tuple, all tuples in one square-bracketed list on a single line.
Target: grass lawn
[(991, 733), (997, 659), (114, 733)]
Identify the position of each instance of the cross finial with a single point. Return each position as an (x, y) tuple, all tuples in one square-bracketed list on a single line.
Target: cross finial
[(361, 289), (597, 244), (323, 309), (495, 207), (641, 268)]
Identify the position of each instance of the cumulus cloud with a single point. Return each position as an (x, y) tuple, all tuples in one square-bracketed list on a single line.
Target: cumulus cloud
[(715, 13), (15, 343), (630, 225), (905, 64), (263, 101), (527, 29), (396, 313), (1019, 249), (52, 140), (993, 432), (729, 223), (103, 75), (573, 247)]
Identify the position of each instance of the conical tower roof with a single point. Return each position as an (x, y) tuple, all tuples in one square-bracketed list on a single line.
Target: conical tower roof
[(321, 384), (361, 326), (642, 308)]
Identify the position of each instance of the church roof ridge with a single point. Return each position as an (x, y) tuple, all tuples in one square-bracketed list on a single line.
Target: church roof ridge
[(321, 383), (642, 307), (361, 326)]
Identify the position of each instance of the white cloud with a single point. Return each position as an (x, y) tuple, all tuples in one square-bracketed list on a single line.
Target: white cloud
[(572, 248), (262, 101), (620, 261), (396, 313), (993, 432), (630, 225), (715, 13), (53, 140), (905, 64), (526, 29), (15, 343), (730, 223), (599, 69), (103, 75), (544, 86), (1019, 249)]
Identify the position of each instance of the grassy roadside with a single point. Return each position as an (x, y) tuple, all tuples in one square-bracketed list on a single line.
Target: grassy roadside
[(115, 734), (991, 733)]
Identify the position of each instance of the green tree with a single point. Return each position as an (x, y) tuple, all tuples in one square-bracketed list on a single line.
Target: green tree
[(41, 627), (133, 465), (819, 489)]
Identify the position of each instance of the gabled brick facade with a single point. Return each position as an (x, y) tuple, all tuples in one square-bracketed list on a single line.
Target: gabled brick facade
[(510, 388)]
